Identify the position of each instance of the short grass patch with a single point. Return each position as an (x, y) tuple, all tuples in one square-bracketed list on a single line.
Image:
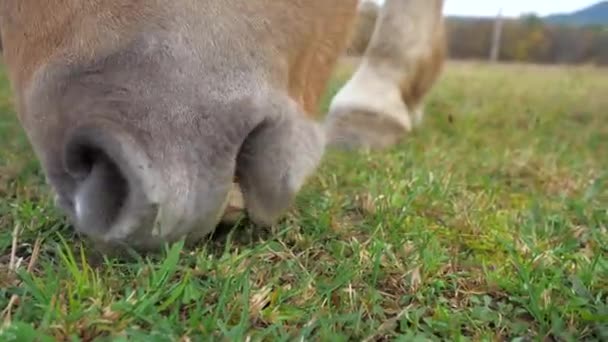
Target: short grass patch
[(490, 222)]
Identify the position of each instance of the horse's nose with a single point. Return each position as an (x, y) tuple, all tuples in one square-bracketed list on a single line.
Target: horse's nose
[(105, 182)]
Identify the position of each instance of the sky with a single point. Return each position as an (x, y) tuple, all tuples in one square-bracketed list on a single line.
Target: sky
[(511, 7)]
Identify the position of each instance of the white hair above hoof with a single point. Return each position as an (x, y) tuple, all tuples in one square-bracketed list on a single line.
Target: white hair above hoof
[(368, 112), (384, 99)]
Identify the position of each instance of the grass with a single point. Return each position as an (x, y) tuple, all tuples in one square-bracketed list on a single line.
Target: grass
[(488, 223)]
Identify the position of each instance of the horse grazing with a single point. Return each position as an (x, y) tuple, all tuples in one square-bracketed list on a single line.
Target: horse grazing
[(144, 113)]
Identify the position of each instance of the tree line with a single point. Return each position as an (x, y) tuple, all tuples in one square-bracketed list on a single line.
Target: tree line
[(528, 39), (525, 39)]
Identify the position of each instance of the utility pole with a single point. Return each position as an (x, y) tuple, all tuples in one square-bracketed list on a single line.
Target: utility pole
[(496, 38)]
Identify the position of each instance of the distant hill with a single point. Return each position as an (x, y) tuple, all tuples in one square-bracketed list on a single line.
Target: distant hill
[(593, 15)]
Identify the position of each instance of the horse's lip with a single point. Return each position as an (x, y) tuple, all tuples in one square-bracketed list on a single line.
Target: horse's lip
[(235, 206)]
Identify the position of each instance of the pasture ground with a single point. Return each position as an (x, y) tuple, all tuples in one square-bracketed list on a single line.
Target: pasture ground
[(488, 223)]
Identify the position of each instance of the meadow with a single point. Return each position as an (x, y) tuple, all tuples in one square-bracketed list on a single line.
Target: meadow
[(489, 222)]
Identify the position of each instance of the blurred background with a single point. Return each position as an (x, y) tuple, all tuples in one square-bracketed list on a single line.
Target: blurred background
[(533, 31)]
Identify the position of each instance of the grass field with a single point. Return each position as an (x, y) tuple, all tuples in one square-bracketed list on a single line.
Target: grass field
[(488, 223)]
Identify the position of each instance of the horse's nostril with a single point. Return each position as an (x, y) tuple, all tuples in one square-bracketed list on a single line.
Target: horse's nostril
[(100, 196), (101, 187)]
